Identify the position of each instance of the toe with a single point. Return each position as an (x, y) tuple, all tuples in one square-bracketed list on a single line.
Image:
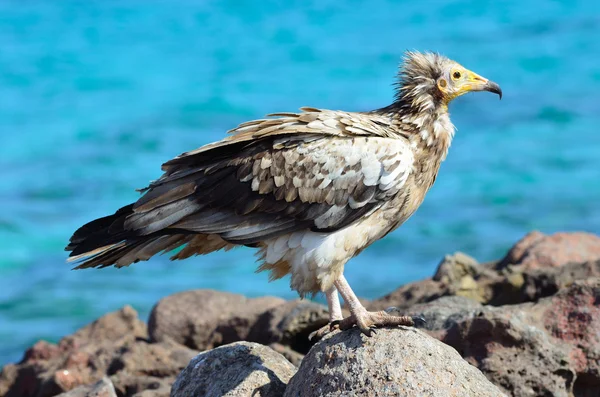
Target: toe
[(317, 335), (366, 326), (346, 323)]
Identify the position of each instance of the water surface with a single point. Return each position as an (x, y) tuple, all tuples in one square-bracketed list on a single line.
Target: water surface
[(94, 96)]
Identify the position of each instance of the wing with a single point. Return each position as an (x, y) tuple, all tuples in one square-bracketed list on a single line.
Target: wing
[(317, 170), (291, 175), (309, 121)]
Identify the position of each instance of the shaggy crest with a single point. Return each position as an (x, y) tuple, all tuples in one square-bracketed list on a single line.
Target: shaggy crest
[(417, 77)]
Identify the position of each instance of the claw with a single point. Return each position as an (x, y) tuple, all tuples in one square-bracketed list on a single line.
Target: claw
[(368, 331), (391, 309), (335, 324), (419, 321)]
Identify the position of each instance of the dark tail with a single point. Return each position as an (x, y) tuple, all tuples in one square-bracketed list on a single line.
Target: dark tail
[(101, 242), (106, 242)]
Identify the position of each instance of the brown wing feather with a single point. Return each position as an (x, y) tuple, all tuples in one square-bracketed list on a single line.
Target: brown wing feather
[(324, 122), (318, 170)]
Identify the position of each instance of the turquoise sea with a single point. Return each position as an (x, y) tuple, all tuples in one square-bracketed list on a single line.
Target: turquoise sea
[(95, 95)]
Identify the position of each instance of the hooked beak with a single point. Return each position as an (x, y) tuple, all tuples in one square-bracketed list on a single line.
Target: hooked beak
[(478, 83), (493, 87)]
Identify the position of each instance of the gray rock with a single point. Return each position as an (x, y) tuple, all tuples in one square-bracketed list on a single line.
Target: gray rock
[(443, 312), (204, 319), (394, 362), (290, 324), (102, 388), (291, 355), (239, 369)]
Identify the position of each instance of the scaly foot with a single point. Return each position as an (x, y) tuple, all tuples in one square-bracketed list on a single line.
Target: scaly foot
[(367, 321)]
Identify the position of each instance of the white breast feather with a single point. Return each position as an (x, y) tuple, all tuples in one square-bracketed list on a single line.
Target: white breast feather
[(317, 259)]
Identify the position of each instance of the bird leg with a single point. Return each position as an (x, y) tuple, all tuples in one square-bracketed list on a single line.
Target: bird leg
[(367, 321), (333, 302), (335, 315)]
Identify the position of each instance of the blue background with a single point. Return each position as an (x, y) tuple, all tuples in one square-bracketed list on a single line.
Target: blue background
[(94, 96)]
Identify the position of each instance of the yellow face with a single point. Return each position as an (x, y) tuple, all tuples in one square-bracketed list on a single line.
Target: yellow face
[(457, 81)]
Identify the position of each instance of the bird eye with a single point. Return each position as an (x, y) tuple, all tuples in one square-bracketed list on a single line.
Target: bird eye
[(456, 75)]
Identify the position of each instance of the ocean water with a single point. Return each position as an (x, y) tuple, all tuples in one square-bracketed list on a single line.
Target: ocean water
[(94, 96)]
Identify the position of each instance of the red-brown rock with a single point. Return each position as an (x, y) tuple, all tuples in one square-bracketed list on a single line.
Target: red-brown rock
[(102, 388), (204, 319), (115, 344), (457, 274), (551, 347), (544, 341), (537, 250), (537, 266), (42, 351)]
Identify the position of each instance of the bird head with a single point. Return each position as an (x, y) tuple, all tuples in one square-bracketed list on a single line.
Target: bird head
[(427, 79)]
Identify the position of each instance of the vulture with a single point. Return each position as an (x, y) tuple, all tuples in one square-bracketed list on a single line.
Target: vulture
[(309, 189)]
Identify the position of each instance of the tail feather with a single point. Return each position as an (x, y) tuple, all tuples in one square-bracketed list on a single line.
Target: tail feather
[(106, 242), (93, 253), (102, 242), (147, 249), (107, 257), (98, 227)]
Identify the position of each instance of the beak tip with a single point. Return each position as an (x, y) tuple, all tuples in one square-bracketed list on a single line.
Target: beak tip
[(493, 87)]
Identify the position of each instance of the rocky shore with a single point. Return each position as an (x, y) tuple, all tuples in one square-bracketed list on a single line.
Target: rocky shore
[(526, 325)]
